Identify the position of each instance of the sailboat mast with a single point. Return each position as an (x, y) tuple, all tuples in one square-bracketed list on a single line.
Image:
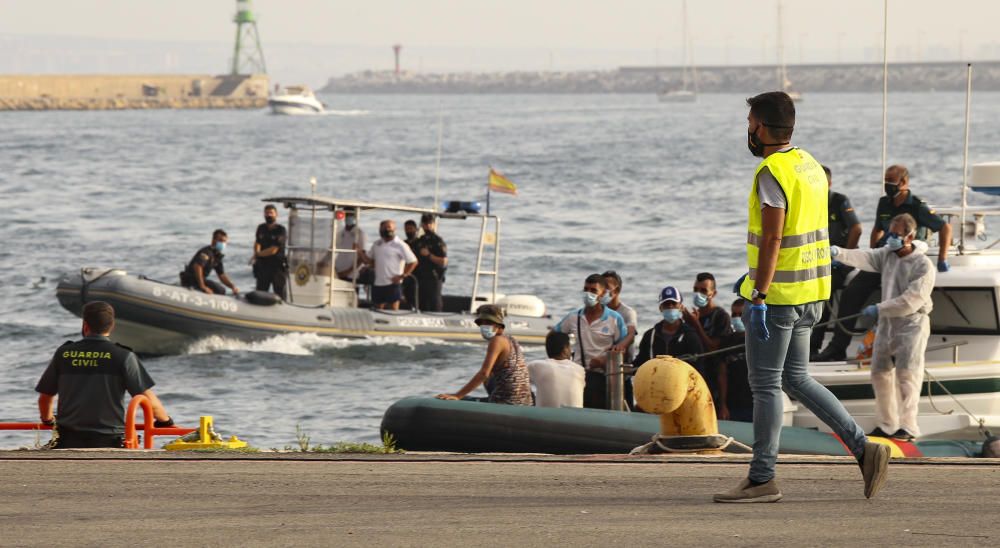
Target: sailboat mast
[(782, 74), (684, 44)]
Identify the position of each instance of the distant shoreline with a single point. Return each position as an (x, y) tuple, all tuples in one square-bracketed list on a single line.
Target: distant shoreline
[(861, 78)]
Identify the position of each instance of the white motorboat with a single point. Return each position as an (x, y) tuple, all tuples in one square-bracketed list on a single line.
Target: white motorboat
[(960, 398), (295, 100)]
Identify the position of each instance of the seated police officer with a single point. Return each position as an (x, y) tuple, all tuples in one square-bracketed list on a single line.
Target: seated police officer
[(204, 261), (90, 377)]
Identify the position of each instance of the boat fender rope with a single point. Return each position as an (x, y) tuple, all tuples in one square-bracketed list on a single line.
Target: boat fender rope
[(84, 284), (689, 444)]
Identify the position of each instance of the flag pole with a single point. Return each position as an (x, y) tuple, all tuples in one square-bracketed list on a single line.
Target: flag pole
[(488, 191)]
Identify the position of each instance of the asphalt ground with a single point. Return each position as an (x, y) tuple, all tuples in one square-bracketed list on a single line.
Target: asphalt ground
[(102, 498)]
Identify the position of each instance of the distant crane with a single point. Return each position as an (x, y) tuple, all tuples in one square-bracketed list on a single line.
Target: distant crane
[(395, 50), (248, 56)]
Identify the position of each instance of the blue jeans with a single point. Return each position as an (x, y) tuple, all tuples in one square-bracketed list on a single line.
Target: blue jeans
[(779, 363)]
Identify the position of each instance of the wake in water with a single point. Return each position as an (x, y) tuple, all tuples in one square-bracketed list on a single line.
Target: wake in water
[(305, 344), (355, 112)]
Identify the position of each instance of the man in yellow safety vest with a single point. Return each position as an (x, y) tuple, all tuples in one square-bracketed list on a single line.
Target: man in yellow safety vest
[(788, 256)]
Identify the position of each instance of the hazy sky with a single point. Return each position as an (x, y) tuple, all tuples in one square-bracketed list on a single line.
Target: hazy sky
[(524, 34)]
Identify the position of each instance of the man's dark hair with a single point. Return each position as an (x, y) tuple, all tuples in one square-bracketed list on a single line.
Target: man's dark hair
[(427, 218), (219, 232), (702, 276), (827, 171), (776, 111), (99, 316), (556, 343), (614, 276), (271, 207), (410, 222), (740, 301), (596, 279)]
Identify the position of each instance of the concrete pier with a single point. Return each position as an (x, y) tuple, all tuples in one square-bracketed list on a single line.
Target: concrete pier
[(108, 499), (139, 91)]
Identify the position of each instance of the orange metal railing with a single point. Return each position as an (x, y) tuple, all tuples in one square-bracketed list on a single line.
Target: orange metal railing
[(131, 428)]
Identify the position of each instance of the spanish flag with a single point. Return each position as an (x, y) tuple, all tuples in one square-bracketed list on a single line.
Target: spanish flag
[(499, 183)]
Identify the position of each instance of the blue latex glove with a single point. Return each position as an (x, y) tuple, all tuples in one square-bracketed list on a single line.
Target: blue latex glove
[(758, 323), (871, 311), (943, 266), (739, 282), (836, 264)]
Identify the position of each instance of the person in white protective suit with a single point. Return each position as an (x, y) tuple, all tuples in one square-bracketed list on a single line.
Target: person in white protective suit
[(904, 326)]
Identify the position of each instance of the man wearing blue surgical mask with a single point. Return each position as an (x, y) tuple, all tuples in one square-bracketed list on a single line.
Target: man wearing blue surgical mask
[(736, 394), (597, 329), (711, 323), (671, 336), (206, 260), (903, 324)]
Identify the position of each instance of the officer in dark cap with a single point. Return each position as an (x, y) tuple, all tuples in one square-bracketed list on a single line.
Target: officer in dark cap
[(206, 260), (269, 266), (90, 378), (432, 255)]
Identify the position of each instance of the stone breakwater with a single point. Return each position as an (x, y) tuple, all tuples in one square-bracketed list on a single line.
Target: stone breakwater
[(120, 92), (865, 78), (49, 103)]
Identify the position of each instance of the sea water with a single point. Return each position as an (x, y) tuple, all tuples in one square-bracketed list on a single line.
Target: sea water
[(654, 191)]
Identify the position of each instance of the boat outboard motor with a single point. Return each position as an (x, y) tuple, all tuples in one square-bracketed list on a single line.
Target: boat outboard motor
[(991, 447), (262, 298)]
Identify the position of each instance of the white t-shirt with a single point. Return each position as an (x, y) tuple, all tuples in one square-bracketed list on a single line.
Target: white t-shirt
[(558, 383), (390, 258), (597, 337), (345, 241)]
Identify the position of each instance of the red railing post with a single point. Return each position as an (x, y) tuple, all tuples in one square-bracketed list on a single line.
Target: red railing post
[(131, 437)]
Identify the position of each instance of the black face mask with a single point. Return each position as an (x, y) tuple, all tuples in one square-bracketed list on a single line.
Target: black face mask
[(270, 220), (756, 146), (386, 233), (891, 189)]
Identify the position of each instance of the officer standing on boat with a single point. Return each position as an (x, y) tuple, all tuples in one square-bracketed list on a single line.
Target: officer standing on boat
[(432, 255), (788, 256), (205, 260), (269, 265), (90, 377)]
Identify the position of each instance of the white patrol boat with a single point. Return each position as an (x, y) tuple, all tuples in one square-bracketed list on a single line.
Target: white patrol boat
[(960, 398), (154, 317)]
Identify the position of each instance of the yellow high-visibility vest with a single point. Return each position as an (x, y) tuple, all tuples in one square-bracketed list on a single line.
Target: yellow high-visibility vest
[(803, 271)]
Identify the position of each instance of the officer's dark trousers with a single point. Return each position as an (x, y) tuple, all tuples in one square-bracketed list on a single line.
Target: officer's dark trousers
[(429, 289), (69, 439), (852, 300), (410, 291), (272, 277), (595, 391), (819, 333)]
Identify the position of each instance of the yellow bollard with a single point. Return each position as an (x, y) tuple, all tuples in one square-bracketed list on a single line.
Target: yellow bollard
[(676, 391), (204, 438)]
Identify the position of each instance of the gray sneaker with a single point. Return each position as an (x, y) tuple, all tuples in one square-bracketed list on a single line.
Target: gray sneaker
[(874, 467), (744, 492)]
